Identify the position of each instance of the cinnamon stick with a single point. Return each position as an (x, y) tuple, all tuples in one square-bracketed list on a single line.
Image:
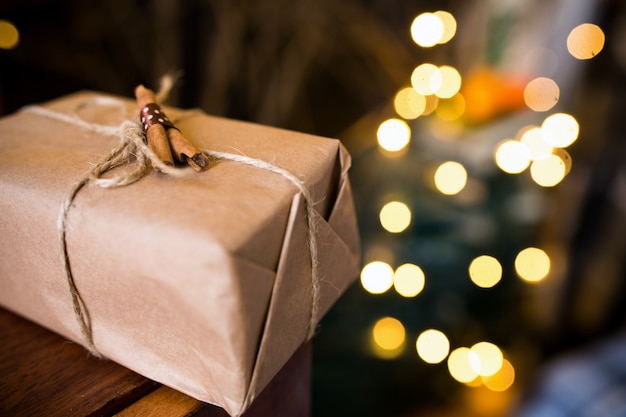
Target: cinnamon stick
[(186, 152), (167, 134), (155, 134)]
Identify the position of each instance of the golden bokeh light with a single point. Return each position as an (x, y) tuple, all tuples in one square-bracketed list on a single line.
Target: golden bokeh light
[(565, 157), (512, 156), (427, 30), (432, 104), (485, 271), (490, 358), (462, 363), (541, 94), (450, 82), (393, 135), (9, 35), (409, 104), (560, 130), (377, 277), (451, 109), (501, 380), (409, 280), (426, 79), (449, 26), (548, 171), (450, 178), (585, 41), (532, 264), (395, 216), (432, 346), (535, 143), (474, 383), (388, 333)]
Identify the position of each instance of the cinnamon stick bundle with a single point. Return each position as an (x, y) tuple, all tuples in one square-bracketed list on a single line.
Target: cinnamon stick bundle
[(164, 139)]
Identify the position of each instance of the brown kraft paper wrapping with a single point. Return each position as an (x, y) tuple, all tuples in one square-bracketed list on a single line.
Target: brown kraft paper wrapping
[(202, 283)]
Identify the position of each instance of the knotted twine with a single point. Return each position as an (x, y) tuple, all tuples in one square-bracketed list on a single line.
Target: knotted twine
[(133, 151)]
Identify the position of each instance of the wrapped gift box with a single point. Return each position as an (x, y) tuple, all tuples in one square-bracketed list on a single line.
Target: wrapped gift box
[(201, 282)]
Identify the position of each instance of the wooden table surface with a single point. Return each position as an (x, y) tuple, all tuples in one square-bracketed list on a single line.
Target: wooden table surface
[(43, 374)]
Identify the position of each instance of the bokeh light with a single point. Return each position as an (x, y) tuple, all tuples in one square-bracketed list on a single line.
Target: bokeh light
[(377, 277), (395, 216), (393, 135), (532, 264), (409, 280), (432, 346), (427, 30), (388, 333), (563, 156), (490, 358), (512, 156), (450, 178), (409, 104), (485, 271), (535, 143), (541, 94), (462, 363), (501, 380), (585, 41), (548, 171), (449, 25), (450, 82), (9, 35), (426, 79), (432, 104), (560, 130), (476, 382)]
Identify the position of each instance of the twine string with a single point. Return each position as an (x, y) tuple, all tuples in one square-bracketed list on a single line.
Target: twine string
[(311, 229), (134, 153)]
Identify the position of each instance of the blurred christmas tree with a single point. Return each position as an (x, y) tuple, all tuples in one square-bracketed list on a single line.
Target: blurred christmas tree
[(452, 197)]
